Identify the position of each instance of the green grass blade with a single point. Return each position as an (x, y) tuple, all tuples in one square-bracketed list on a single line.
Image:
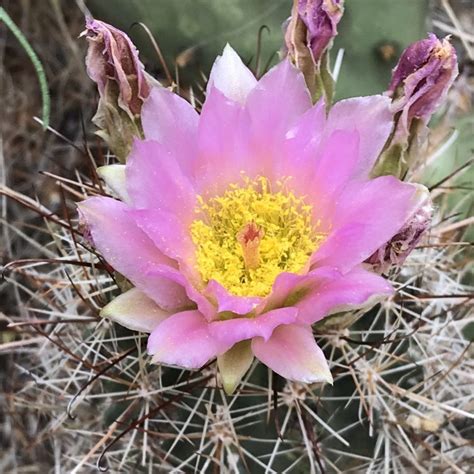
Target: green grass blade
[(36, 64)]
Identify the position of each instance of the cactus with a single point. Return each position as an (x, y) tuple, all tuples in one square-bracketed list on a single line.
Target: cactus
[(401, 383), (81, 393)]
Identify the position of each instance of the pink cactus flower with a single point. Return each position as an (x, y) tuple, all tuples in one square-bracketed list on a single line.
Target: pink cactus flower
[(244, 225)]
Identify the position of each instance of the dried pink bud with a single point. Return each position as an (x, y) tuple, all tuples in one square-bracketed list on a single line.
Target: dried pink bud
[(112, 62), (320, 18), (308, 35), (421, 80), (420, 83), (400, 246), (113, 58)]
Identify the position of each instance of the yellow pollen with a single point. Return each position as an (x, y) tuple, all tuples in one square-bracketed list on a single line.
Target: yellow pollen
[(246, 237)]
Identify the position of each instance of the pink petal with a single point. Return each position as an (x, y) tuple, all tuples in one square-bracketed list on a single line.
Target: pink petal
[(321, 180), (235, 140), (171, 120), (155, 180), (325, 290), (366, 216), (134, 310), (228, 302), (129, 251), (184, 340), (300, 147), (168, 232), (231, 76), (224, 145), (184, 279), (289, 288), (356, 289), (309, 127), (341, 147), (293, 353), (275, 105), (239, 329), (371, 118), (171, 236)]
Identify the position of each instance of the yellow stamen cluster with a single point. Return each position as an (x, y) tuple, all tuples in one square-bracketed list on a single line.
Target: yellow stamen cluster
[(279, 222)]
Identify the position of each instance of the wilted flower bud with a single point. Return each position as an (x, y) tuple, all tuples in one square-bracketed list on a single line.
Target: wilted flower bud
[(321, 18), (310, 30), (113, 58), (400, 246), (421, 80), (420, 83), (112, 62)]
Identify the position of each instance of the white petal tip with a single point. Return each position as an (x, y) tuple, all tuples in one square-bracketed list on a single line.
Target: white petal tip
[(231, 77), (321, 376)]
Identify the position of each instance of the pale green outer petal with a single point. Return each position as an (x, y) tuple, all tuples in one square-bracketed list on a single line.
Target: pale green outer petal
[(114, 177), (134, 310), (233, 365)]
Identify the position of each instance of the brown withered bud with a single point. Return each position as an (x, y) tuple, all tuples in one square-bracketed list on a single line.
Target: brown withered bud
[(394, 252), (112, 57), (419, 85), (421, 80), (113, 64), (309, 34)]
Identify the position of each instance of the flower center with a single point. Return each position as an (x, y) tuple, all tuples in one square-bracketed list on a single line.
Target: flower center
[(246, 237)]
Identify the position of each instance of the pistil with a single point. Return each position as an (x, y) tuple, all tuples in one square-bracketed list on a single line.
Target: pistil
[(249, 238)]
